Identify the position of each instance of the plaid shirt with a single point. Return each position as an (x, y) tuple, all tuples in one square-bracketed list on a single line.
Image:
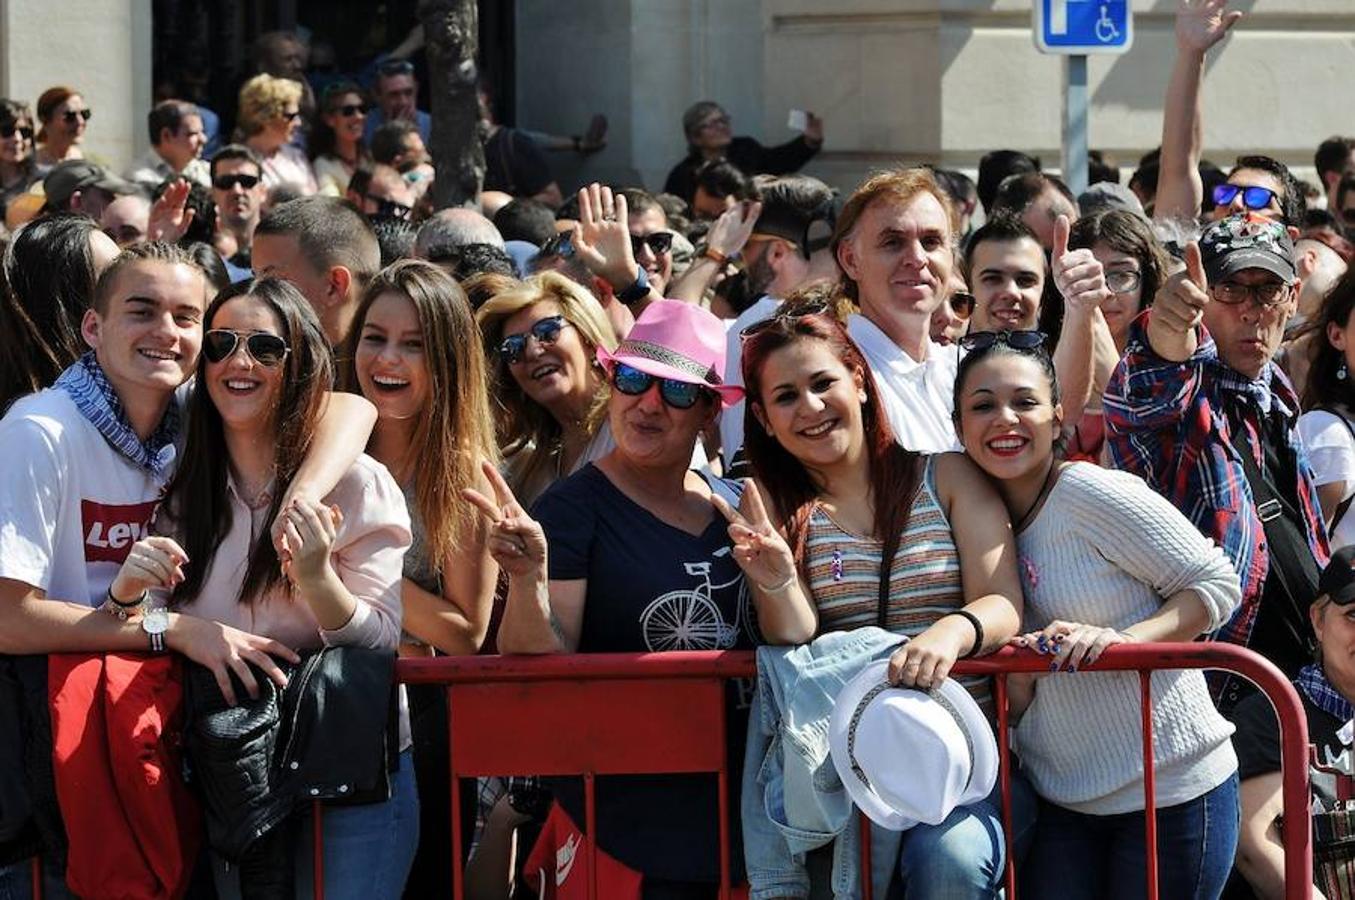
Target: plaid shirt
[(1167, 422)]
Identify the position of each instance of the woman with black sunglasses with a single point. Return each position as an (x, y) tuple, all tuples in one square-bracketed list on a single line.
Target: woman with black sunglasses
[(18, 168), (1104, 560), (336, 145), (637, 561), (268, 118), (262, 379), (857, 531), (63, 117)]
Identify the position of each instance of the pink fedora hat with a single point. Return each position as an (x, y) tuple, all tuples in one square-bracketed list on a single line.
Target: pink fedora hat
[(677, 340)]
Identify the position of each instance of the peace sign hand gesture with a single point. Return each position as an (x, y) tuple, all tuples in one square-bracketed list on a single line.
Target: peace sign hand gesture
[(759, 548), (516, 541)]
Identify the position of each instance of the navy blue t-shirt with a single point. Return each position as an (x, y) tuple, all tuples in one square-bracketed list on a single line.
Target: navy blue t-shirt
[(652, 587)]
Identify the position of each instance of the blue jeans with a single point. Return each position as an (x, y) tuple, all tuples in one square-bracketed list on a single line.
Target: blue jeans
[(368, 849), (965, 855), (1076, 855)]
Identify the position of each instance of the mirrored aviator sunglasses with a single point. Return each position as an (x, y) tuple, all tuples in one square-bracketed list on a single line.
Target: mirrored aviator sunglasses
[(1017, 340), (677, 394), (265, 349), (546, 331)]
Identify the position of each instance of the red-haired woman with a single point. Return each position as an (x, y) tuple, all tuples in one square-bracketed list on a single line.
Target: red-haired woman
[(858, 531)]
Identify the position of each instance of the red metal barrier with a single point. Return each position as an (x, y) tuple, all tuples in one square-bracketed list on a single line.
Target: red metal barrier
[(653, 713), (623, 713)]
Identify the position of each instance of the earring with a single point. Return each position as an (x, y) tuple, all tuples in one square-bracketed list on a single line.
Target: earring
[(861, 395), (1341, 372)]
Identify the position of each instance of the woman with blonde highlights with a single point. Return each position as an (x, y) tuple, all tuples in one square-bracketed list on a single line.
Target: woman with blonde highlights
[(269, 114), (552, 396), (417, 357)]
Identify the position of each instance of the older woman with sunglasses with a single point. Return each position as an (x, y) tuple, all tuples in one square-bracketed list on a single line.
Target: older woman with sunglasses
[(269, 115), (628, 555), (336, 144), (63, 117), (550, 393)]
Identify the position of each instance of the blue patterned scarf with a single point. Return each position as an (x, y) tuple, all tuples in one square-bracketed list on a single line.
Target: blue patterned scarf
[(1315, 686), (89, 388)]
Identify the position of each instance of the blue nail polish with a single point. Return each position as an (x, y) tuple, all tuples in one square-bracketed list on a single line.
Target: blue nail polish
[(1054, 666), (1072, 668)]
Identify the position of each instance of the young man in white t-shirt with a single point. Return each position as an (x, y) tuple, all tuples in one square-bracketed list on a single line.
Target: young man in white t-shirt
[(85, 464)]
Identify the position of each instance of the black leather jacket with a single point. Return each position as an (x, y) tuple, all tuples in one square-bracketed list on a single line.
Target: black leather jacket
[(328, 735)]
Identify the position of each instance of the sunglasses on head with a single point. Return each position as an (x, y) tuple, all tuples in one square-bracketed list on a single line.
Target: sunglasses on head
[(784, 317), (348, 110), (13, 128), (265, 349), (660, 242), (1252, 197), (71, 115), (1017, 340), (546, 331), (391, 208), (226, 182), (677, 394)]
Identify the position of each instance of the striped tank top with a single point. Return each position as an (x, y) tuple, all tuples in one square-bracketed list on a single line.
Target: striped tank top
[(844, 575)]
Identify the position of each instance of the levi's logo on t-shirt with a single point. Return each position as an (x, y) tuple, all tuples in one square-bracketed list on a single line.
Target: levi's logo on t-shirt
[(112, 529)]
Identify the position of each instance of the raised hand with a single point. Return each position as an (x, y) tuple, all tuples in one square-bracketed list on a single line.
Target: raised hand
[(1181, 301), (1200, 24), (171, 215), (516, 541), (730, 232), (153, 562), (759, 549), (1078, 275), (602, 238), (308, 533), (1072, 645), (813, 130)]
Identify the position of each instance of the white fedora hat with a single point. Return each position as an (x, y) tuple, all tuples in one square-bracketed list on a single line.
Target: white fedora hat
[(906, 755)]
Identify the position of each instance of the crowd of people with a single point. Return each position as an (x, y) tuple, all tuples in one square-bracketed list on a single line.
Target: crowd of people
[(271, 420)]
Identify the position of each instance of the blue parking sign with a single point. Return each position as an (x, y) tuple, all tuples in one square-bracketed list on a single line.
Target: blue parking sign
[(1083, 26)]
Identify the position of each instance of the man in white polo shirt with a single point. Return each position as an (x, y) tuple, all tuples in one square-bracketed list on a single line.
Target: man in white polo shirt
[(895, 242)]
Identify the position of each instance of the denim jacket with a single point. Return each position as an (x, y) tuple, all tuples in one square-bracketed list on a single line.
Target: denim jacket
[(792, 798)]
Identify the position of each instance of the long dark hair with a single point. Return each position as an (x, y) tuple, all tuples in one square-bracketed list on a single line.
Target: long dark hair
[(322, 141), (49, 271), (894, 472), (196, 501), (1324, 388)]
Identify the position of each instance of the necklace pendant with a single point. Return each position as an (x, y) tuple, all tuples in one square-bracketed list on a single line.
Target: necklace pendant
[(837, 565)]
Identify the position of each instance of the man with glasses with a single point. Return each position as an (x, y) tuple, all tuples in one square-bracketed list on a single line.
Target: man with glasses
[(710, 135), (238, 192), (650, 238), (177, 138), (397, 95), (1199, 409), (388, 194)]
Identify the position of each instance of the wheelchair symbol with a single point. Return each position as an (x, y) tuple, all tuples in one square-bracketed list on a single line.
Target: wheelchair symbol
[(1105, 28)]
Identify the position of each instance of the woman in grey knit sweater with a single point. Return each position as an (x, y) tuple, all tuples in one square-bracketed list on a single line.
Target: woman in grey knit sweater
[(1104, 560)]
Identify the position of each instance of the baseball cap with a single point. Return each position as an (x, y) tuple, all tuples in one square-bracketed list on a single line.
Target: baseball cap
[(1338, 578), (1107, 195), (1247, 241), (79, 175)]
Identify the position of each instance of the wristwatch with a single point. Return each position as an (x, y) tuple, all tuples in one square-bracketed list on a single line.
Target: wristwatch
[(155, 621), (637, 291)]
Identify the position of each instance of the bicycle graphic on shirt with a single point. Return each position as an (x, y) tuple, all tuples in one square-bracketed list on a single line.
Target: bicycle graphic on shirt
[(690, 620)]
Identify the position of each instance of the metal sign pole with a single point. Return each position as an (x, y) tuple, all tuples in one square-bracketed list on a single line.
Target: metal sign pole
[(1075, 105)]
